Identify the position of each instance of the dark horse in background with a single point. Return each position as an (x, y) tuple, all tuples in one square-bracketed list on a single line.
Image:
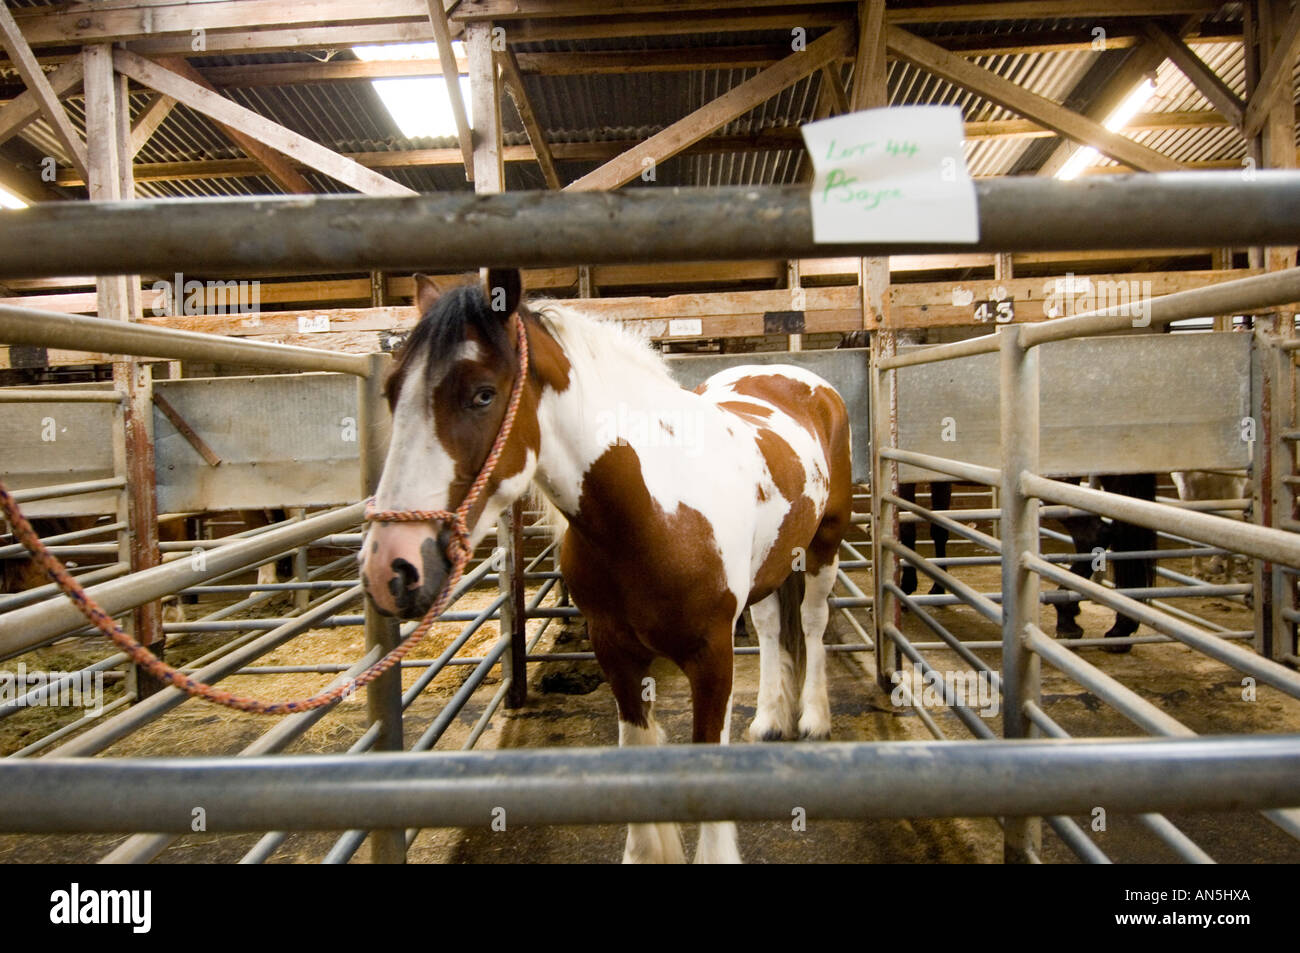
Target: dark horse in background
[(1088, 533)]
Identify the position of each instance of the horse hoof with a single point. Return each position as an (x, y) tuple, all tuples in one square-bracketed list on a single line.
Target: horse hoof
[(908, 581), (1068, 629), (938, 590), (1117, 649), (811, 734)]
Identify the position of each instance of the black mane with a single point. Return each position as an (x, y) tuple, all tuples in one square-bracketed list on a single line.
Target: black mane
[(443, 328)]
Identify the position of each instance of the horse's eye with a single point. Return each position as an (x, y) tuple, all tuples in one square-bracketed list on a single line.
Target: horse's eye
[(483, 397)]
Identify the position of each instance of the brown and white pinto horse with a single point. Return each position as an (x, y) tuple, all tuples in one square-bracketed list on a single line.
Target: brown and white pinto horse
[(683, 507)]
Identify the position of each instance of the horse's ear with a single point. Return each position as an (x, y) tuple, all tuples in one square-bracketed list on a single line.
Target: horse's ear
[(426, 293), (503, 288)]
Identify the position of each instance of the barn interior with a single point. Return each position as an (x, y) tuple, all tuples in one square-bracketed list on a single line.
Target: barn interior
[(183, 455)]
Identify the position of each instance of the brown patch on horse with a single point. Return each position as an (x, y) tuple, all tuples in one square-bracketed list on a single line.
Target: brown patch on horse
[(747, 410), (800, 522), (682, 610)]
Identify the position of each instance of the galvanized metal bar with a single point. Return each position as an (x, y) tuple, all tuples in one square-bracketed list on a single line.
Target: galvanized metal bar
[(384, 694), (884, 516), (68, 489), (143, 848), (27, 627), (18, 549), (961, 590), (1260, 542), (1243, 660), (1013, 778), (1022, 836), (1120, 697), (75, 332), (324, 234), (40, 395), (950, 641), (99, 738), (967, 471), (964, 713), (1077, 840), (1244, 294)]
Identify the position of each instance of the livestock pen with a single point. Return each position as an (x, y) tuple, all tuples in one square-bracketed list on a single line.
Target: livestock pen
[(388, 789)]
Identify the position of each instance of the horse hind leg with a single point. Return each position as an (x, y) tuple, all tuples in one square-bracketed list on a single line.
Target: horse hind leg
[(627, 674), (778, 696), (814, 613), (940, 499), (710, 674)]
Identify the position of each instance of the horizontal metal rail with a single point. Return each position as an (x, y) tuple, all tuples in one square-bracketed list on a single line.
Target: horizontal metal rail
[(67, 489), (1261, 542), (967, 471), (1244, 294), (667, 783), (325, 234), (29, 626), (75, 332), (1242, 659), (41, 395)]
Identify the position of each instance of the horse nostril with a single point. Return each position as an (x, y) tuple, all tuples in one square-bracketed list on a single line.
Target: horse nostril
[(406, 577)]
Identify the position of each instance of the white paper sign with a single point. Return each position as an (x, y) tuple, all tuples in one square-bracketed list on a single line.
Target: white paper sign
[(313, 325), (685, 327), (891, 175)]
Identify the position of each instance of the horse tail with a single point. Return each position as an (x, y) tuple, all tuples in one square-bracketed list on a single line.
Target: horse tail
[(790, 598)]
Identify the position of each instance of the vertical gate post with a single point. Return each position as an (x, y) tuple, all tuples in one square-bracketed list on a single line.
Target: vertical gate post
[(110, 179), (384, 694), (514, 615), (884, 516), (1020, 666)]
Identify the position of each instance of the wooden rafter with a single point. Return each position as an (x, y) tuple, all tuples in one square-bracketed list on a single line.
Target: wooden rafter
[(735, 102), (1276, 75), (1002, 91), (1195, 69), (254, 126), (34, 77), (447, 58), (1137, 66), (275, 165), (869, 63), (150, 118), (26, 107), (514, 81)]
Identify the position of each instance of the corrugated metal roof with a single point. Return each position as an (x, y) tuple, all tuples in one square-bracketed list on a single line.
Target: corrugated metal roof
[(350, 117)]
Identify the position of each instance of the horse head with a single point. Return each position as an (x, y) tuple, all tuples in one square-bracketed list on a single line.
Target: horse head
[(449, 393)]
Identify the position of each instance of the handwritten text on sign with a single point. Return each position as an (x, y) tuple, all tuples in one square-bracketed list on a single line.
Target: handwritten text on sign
[(891, 175)]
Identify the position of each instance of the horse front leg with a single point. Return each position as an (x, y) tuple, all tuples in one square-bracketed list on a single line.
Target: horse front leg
[(627, 672), (710, 673)]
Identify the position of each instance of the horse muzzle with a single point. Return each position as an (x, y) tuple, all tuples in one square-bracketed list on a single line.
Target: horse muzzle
[(404, 567)]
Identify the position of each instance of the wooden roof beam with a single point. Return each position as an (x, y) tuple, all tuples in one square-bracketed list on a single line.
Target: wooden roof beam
[(1005, 93), (26, 108), (1276, 76), (514, 81), (1195, 69), (735, 102), (450, 69), (254, 127), (39, 85)]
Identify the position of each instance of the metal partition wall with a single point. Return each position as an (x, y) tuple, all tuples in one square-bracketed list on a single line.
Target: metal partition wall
[(1026, 498), (402, 786)]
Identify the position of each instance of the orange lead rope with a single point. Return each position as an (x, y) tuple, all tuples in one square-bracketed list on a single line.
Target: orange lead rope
[(459, 555)]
